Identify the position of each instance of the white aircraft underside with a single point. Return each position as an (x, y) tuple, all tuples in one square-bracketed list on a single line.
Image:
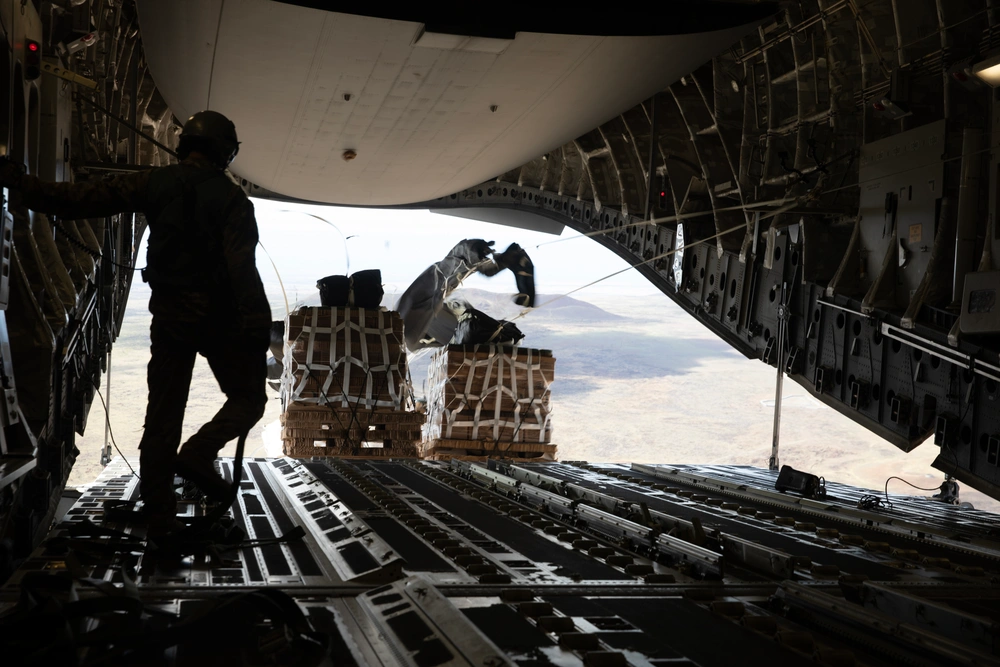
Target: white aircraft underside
[(426, 114)]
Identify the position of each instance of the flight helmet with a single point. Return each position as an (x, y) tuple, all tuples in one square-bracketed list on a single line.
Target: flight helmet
[(210, 133)]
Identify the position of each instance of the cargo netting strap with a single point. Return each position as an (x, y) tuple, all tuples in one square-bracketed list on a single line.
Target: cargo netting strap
[(530, 419), (345, 362)]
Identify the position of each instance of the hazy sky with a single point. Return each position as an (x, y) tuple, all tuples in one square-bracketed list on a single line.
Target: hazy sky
[(403, 243)]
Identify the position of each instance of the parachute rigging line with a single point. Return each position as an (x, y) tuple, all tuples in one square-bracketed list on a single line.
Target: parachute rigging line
[(810, 196), (347, 257), (284, 294), (526, 311)]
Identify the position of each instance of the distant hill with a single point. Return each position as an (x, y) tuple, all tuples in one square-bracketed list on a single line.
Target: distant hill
[(501, 306)]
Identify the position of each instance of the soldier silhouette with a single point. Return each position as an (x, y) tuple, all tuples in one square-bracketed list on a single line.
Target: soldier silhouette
[(207, 298)]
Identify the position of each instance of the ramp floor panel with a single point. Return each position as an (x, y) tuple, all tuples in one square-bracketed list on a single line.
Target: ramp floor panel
[(430, 563)]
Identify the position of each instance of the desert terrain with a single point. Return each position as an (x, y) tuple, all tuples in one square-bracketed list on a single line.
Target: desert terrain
[(636, 380)]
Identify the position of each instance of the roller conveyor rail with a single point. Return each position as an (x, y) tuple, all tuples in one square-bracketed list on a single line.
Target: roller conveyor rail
[(491, 563)]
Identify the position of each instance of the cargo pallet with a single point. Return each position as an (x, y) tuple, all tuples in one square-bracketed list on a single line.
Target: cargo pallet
[(345, 386), (489, 401)]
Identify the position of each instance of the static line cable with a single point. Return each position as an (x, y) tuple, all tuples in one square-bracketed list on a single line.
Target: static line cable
[(127, 124), (284, 294), (739, 207), (670, 218), (771, 214), (873, 180), (628, 268)]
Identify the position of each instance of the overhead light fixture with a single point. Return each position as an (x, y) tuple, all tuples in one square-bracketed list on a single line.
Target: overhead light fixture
[(988, 70), (896, 103), (961, 73), (886, 108)]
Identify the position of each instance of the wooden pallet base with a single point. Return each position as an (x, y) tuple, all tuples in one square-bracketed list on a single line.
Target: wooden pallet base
[(307, 448), (478, 450), (318, 412), (351, 434), (305, 424)]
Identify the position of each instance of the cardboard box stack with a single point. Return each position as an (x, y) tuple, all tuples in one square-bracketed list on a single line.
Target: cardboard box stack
[(489, 401), (345, 388)]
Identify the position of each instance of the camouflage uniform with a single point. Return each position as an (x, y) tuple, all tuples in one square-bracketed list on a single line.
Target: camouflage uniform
[(207, 298)]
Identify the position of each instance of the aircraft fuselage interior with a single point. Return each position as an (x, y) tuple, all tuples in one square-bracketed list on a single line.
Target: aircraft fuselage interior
[(814, 181)]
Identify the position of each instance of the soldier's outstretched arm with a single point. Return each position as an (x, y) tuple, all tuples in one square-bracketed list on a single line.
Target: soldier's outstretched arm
[(239, 246), (89, 199)]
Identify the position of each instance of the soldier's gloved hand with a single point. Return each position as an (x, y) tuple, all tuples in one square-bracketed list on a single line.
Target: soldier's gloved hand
[(482, 249), (10, 172)]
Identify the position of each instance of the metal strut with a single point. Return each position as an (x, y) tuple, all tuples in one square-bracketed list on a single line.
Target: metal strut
[(106, 452), (784, 314), (772, 463), (653, 147)]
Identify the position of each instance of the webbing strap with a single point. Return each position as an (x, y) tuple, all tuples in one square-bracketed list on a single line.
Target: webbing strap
[(530, 420), (345, 361)]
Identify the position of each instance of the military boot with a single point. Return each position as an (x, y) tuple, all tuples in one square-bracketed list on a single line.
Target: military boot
[(201, 473)]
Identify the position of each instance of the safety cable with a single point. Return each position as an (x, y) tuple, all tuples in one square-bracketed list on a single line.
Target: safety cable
[(107, 417), (888, 504), (920, 488), (945, 447), (872, 503)]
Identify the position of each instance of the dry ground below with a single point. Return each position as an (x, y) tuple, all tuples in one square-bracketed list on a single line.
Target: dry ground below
[(636, 380)]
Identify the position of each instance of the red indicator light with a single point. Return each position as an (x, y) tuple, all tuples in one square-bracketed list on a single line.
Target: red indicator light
[(878, 106), (662, 199), (32, 60)]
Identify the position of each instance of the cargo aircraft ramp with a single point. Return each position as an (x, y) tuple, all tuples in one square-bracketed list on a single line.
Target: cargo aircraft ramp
[(405, 562)]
